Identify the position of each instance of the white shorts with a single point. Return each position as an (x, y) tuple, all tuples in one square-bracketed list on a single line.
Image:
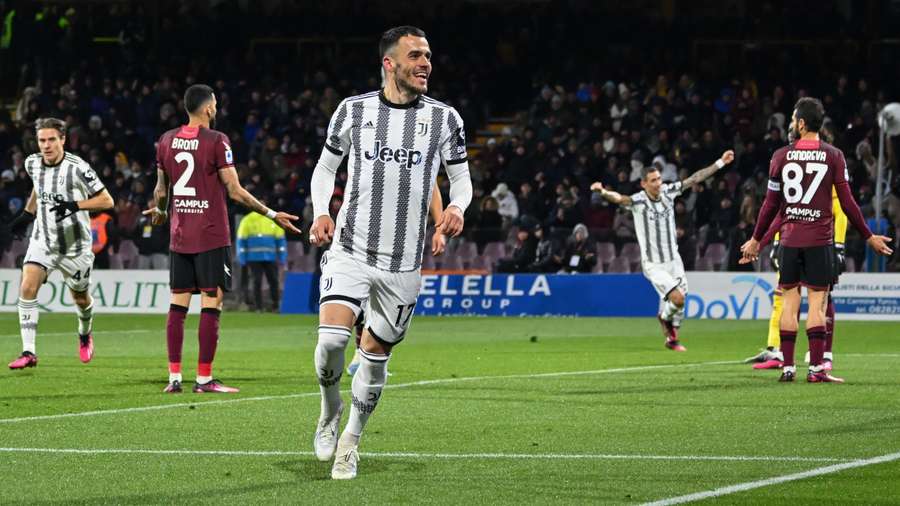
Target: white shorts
[(76, 271), (391, 296), (666, 276)]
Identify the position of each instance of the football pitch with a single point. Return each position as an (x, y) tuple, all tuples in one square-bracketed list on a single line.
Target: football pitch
[(477, 411)]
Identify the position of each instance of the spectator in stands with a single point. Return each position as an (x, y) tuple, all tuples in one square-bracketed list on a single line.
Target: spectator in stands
[(548, 256), (152, 242), (489, 227), (524, 252), (623, 227), (580, 254), (687, 247), (507, 205), (103, 231)]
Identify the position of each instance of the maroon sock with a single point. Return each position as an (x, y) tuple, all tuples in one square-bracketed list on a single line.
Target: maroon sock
[(816, 337), (788, 341), (175, 333), (209, 338), (829, 324)]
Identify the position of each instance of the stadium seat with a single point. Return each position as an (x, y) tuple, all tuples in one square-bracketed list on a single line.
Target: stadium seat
[(717, 254), (620, 265), (453, 263), (851, 264), (466, 251), (495, 249), (428, 263), (482, 262), (606, 252), (295, 254), (598, 269), (115, 262), (308, 264), (632, 252), (703, 264), (128, 253)]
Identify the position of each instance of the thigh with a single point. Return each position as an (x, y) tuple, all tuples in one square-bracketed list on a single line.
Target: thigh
[(818, 267), (76, 271), (344, 281), (39, 256), (392, 302), (790, 268), (182, 274), (660, 277), (213, 270)]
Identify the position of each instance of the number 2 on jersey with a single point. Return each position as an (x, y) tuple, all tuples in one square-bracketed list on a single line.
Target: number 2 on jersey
[(793, 181), (181, 188)]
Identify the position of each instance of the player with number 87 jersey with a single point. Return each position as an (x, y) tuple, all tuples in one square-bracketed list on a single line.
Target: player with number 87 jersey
[(801, 176), (200, 162)]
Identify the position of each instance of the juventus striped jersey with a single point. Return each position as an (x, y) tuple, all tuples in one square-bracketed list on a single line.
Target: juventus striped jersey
[(654, 223), (70, 180), (394, 153)]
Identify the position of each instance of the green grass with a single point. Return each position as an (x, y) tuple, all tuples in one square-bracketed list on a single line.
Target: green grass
[(678, 410)]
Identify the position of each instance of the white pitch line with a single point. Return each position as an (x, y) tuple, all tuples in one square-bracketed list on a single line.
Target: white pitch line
[(311, 394), (435, 456), (742, 487)]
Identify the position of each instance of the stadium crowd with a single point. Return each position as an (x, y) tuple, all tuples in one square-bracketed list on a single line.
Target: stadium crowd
[(531, 176)]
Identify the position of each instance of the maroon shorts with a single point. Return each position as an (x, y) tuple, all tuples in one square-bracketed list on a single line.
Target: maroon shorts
[(201, 272)]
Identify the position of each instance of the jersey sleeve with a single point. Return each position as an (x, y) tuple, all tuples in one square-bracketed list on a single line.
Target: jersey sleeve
[(673, 189), (772, 202), (453, 145), (223, 155), (89, 179), (338, 140), (636, 199), (160, 154)]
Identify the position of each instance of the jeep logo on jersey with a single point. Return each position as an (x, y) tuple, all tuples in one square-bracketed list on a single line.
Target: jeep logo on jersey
[(404, 157)]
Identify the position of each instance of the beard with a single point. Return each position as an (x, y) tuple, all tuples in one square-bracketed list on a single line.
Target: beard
[(793, 134), (408, 84)]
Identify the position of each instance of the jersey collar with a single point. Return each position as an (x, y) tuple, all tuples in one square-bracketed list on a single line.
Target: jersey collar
[(807, 144), (61, 160), (188, 132), (392, 105)]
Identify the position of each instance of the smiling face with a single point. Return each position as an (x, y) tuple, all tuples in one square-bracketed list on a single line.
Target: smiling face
[(408, 65)]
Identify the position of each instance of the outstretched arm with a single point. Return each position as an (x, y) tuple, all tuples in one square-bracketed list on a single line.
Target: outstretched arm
[(704, 173), (238, 193), (161, 195), (611, 196)]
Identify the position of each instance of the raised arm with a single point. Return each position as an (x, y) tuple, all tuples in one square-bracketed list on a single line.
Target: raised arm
[(229, 178), (704, 173), (611, 196)]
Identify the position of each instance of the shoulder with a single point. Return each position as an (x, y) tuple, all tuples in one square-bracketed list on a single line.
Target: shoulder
[(833, 150), (370, 96), (75, 159), (780, 152), (435, 103), (639, 198), (34, 158)]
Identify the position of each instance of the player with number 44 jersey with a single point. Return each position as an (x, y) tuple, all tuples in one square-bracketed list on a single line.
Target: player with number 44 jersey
[(200, 162)]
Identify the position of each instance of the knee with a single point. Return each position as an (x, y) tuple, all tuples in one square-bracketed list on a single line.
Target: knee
[(82, 299), (29, 290), (333, 337), (677, 298)]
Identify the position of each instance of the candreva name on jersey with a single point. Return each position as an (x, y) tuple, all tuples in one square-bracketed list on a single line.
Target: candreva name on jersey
[(805, 155)]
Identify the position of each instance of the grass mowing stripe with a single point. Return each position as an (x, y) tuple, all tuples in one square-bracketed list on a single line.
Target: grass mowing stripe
[(412, 455), (399, 385), (743, 487)]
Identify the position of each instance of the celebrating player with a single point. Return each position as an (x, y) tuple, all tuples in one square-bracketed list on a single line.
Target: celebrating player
[(801, 176), (396, 139), (200, 162), (654, 223), (64, 187)]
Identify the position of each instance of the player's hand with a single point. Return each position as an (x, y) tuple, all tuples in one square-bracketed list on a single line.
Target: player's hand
[(597, 187), (438, 244), (322, 230), (452, 222), (157, 216), (727, 157), (775, 254), (879, 243), (840, 259), (64, 209), (284, 221), (750, 250)]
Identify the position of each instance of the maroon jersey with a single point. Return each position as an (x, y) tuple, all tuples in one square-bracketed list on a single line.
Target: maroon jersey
[(192, 157), (801, 176)]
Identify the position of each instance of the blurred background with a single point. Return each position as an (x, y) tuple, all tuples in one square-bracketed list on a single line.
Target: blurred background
[(554, 95)]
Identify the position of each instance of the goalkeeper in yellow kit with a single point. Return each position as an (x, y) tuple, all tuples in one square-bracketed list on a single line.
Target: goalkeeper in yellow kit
[(771, 357)]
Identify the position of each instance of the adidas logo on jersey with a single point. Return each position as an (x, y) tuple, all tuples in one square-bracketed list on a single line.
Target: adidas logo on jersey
[(403, 156), (368, 124)]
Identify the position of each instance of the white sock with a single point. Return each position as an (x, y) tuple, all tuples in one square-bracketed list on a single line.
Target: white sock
[(329, 359), (174, 376), (677, 316), (828, 356), (366, 389), (85, 318), (669, 311), (203, 379), (28, 322)]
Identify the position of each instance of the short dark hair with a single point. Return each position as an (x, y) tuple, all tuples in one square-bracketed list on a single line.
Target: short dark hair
[(58, 124), (195, 96), (390, 37), (812, 112), (647, 170)]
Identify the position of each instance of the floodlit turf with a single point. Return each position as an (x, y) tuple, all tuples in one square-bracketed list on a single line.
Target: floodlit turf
[(502, 426)]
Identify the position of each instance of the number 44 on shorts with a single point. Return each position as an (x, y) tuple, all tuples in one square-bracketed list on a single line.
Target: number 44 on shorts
[(77, 276)]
